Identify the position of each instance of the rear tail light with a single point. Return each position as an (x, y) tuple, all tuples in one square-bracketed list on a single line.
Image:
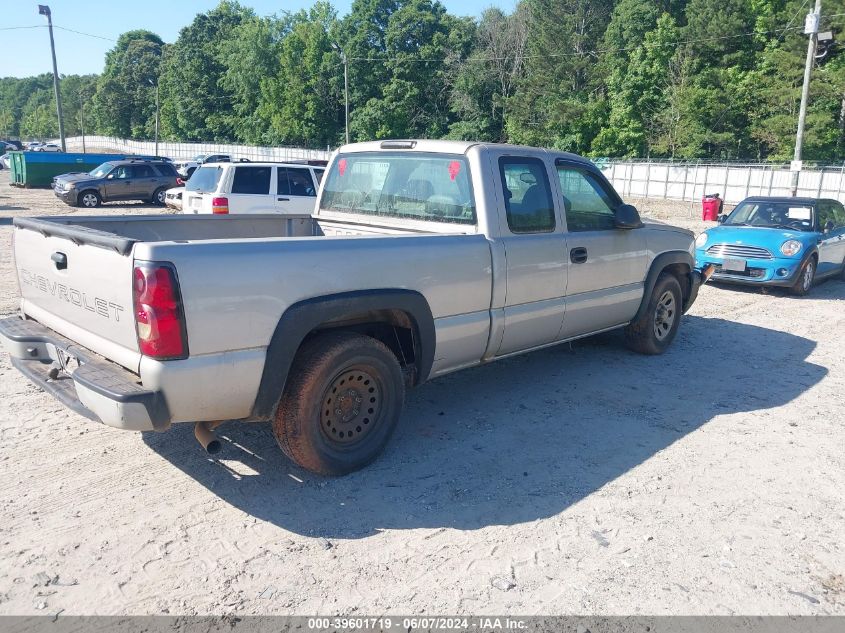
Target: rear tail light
[(179, 182), (159, 317), (220, 206)]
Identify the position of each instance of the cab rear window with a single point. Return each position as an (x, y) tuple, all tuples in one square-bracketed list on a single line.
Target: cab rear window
[(431, 187)]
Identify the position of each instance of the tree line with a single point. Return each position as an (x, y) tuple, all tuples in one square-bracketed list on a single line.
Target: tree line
[(685, 79)]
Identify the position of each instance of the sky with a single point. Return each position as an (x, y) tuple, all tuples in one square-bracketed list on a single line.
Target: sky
[(26, 51)]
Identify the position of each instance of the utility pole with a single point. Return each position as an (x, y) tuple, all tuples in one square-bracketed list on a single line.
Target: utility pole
[(82, 120), (157, 110), (44, 10), (345, 61), (811, 28)]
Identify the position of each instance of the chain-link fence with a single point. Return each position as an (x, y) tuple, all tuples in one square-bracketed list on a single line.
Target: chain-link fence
[(179, 151), (733, 182)]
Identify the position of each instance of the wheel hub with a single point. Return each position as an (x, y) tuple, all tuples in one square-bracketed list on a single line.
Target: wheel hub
[(351, 407), (664, 315)]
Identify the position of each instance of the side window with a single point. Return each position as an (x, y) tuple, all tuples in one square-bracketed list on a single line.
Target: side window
[(319, 175), (165, 169), (252, 180), (825, 210), (587, 204), (295, 182), (839, 215), (123, 171), (528, 197), (143, 171)]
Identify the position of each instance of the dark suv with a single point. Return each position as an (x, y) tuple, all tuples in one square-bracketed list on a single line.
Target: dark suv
[(117, 180)]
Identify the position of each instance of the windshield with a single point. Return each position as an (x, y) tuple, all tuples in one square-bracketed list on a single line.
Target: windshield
[(101, 171), (767, 214), (432, 187), (204, 180)]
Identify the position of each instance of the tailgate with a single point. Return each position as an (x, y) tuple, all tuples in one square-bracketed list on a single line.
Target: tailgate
[(80, 290)]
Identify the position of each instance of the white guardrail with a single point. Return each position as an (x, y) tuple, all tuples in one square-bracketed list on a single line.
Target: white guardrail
[(182, 151), (733, 182)]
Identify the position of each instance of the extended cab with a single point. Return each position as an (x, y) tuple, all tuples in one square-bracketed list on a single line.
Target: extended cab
[(422, 258)]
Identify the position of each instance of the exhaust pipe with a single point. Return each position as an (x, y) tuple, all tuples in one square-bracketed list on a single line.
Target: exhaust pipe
[(204, 432)]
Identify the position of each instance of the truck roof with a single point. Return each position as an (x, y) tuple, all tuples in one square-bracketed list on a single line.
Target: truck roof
[(449, 147)]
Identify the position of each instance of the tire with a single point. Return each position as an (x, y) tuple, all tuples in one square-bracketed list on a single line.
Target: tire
[(324, 422), (159, 196), (654, 332), (806, 277), (89, 199)]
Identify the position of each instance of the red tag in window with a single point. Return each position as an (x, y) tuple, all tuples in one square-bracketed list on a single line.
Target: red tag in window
[(454, 169), (341, 166)]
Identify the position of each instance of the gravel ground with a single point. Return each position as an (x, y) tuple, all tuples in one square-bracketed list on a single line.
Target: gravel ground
[(580, 479)]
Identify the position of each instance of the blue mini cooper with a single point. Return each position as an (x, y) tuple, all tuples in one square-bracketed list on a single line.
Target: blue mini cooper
[(787, 242)]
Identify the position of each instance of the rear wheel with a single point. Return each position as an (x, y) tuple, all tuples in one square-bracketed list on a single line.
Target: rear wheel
[(806, 277), (341, 403), (160, 196), (656, 329), (89, 199)]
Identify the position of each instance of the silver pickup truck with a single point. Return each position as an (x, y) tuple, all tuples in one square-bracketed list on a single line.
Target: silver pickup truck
[(422, 258)]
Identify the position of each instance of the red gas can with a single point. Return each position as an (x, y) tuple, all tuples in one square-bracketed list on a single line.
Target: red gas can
[(711, 205)]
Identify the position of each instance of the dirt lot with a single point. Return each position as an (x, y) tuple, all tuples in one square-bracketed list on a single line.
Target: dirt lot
[(581, 479)]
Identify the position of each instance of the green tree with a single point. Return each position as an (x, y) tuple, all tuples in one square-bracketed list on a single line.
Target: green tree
[(489, 76), (124, 102), (251, 57), (302, 102), (194, 104), (556, 103)]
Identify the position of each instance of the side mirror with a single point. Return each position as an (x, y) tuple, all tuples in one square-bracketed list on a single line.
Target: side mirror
[(828, 226), (627, 217), (722, 218)]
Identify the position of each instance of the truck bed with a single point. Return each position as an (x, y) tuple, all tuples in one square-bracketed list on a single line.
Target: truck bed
[(121, 233)]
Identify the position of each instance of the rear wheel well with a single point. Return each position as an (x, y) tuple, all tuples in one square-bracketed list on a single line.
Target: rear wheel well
[(395, 328)]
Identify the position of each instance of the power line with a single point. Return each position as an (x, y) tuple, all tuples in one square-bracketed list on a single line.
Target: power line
[(99, 37)]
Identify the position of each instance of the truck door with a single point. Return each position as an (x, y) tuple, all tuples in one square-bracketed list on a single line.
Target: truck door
[(535, 253), (296, 192), (607, 265)]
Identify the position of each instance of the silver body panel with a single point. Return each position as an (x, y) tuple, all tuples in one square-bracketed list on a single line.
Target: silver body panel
[(491, 293)]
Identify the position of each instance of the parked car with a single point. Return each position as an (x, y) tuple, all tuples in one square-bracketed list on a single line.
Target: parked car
[(5, 161), (129, 179), (422, 258), (770, 241), (33, 146), (173, 198), (48, 147), (15, 145), (186, 168), (224, 188)]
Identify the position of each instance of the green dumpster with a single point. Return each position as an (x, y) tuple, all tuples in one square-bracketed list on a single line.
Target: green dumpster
[(37, 169)]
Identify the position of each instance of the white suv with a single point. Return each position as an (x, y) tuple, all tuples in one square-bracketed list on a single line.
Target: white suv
[(222, 188)]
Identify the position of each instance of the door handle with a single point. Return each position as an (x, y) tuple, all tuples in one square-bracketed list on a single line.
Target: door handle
[(283, 199), (578, 255)]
